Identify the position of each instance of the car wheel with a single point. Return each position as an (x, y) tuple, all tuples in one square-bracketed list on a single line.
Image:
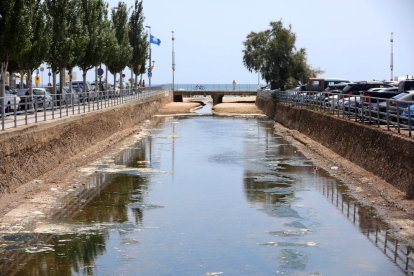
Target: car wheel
[(8, 108)]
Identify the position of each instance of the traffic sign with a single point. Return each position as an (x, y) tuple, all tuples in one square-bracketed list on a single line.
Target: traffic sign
[(37, 80), (49, 74), (150, 74), (100, 71)]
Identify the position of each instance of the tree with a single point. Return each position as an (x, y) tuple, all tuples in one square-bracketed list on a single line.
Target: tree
[(39, 40), (59, 50), (109, 46), (138, 40), (92, 14), (122, 56), (78, 39), (273, 54), (15, 34)]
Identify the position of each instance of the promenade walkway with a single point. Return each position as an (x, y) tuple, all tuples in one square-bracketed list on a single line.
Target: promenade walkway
[(20, 117)]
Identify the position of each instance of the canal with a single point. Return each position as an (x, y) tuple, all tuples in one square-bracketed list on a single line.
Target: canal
[(206, 195)]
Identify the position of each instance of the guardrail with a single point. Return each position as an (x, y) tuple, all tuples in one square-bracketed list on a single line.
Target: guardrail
[(376, 231), (16, 111), (381, 112), (216, 87)]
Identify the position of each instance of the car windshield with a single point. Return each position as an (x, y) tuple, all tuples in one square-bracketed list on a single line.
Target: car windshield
[(399, 96), (349, 88), (38, 92)]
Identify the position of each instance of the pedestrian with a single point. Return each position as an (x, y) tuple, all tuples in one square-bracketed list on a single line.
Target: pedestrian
[(143, 83), (234, 85)]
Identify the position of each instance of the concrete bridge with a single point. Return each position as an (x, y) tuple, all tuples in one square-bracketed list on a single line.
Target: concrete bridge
[(216, 95)]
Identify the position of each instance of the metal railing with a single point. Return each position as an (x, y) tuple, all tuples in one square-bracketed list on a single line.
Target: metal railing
[(216, 87), (390, 114), (376, 231), (17, 111)]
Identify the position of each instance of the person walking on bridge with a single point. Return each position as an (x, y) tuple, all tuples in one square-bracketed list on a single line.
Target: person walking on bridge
[(234, 85)]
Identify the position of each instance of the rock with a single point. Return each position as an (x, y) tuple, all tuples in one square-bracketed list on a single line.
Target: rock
[(334, 168)]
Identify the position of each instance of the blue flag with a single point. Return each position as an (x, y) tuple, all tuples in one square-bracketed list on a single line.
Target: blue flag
[(155, 40)]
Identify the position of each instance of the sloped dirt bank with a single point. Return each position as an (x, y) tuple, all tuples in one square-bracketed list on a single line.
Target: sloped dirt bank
[(328, 142), (55, 148)]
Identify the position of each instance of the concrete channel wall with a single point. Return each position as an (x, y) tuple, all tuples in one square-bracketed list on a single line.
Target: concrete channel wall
[(28, 152), (385, 154)]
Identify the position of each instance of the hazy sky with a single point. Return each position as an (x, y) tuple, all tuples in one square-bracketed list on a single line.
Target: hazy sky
[(347, 39)]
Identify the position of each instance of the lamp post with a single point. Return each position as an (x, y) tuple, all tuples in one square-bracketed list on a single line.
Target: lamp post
[(392, 56), (49, 74), (149, 58), (173, 59)]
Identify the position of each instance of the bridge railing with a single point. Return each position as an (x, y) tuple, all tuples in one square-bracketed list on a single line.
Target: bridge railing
[(216, 87), (390, 114), (29, 109)]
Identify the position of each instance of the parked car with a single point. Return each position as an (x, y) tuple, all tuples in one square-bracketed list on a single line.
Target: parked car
[(26, 101), (380, 94), (350, 89), (408, 115), (84, 95), (320, 84), (11, 100), (336, 88), (395, 105), (42, 98), (406, 85)]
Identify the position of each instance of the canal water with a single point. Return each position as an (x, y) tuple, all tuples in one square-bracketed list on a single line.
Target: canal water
[(207, 195)]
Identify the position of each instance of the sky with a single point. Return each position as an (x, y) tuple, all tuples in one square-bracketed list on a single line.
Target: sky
[(348, 39)]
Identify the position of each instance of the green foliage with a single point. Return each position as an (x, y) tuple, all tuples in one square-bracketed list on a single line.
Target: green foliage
[(138, 38), (77, 36), (92, 13), (15, 28), (273, 53), (15, 33), (58, 12), (39, 39), (69, 33), (122, 50)]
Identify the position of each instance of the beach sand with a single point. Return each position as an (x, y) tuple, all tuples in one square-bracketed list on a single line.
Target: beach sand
[(231, 106)]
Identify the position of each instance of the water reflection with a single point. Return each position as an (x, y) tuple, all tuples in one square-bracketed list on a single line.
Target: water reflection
[(196, 199)]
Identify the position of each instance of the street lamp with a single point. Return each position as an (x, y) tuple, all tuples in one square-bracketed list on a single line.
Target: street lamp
[(173, 59), (392, 56), (149, 59)]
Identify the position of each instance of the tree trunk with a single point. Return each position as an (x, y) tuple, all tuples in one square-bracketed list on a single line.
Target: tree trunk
[(114, 82), (21, 84), (84, 71), (121, 84), (54, 82), (70, 79), (62, 80), (132, 79), (106, 78), (29, 81), (96, 79), (2, 87)]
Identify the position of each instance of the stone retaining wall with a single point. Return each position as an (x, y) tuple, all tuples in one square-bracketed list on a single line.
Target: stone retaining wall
[(385, 154), (29, 152)]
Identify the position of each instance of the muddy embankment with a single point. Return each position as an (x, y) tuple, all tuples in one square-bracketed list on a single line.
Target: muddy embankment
[(29, 152), (382, 153)]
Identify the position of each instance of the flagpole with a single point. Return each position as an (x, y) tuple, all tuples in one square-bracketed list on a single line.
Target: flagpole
[(149, 60), (173, 60)]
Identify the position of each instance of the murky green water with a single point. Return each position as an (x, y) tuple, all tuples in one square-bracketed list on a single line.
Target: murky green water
[(208, 196)]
